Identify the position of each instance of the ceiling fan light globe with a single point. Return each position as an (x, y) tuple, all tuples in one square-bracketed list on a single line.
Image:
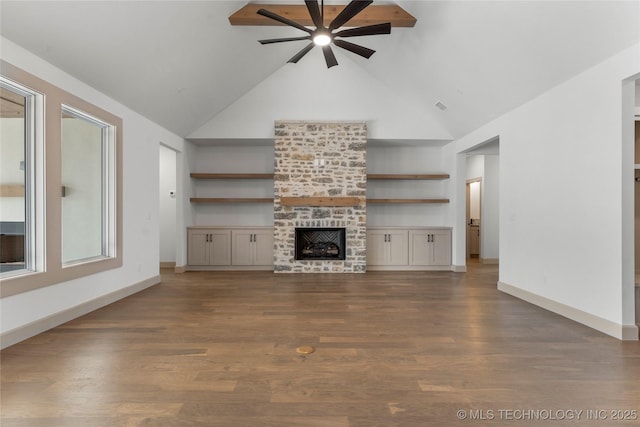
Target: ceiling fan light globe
[(322, 39)]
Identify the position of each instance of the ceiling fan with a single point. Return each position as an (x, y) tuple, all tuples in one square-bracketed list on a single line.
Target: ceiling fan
[(324, 36)]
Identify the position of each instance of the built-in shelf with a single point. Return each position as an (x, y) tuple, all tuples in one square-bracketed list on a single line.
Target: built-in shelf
[(231, 200), (407, 201), (196, 175), (314, 201), (373, 176), (408, 176), (317, 201)]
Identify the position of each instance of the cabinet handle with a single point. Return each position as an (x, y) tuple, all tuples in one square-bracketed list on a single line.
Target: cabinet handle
[(389, 238)]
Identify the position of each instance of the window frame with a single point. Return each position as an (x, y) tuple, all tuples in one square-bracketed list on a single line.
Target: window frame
[(49, 269)]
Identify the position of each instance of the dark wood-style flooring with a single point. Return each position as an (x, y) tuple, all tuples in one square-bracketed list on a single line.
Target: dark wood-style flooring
[(392, 349)]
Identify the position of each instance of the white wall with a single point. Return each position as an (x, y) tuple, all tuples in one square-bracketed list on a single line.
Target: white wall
[(475, 166), (140, 206), (565, 182), (310, 91)]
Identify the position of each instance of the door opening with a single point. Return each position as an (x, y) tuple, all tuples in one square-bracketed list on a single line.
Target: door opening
[(168, 206), (474, 188)]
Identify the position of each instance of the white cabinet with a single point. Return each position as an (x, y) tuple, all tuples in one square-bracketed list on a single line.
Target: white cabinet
[(252, 247), (208, 246), (387, 247), (430, 247), (230, 248), (410, 248)]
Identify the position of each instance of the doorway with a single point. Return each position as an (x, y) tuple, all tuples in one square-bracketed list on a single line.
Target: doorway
[(474, 191), (168, 206), (482, 179)]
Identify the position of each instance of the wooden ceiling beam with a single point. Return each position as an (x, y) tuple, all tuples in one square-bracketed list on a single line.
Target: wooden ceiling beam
[(374, 14)]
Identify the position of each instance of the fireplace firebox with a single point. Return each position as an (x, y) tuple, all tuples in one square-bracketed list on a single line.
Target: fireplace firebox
[(320, 244)]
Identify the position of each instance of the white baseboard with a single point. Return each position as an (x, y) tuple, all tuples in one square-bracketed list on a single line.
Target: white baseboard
[(167, 264), (459, 268), (36, 327), (490, 260), (616, 330), (180, 269)]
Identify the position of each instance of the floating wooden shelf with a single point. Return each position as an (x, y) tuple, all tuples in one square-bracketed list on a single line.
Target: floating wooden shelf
[(196, 175), (11, 190), (407, 201), (231, 200), (321, 201), (408, 176)]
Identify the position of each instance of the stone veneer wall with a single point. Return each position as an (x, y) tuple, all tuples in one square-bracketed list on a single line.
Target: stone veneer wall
[(342, 146)]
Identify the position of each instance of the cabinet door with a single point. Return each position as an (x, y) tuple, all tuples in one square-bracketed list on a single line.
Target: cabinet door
[(420, 248), (242, 247), (441, 247), (398, 247), (198, 247), (430, 247), (377, 247), (263, 247), (220, 247), (474, 236)]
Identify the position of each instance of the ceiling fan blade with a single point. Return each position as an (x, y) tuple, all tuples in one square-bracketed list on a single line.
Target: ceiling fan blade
[(369, 30), (350, 10), (357, 49), (288, 39), (329, 57), (302, 53), (276, 17), (314, 11)]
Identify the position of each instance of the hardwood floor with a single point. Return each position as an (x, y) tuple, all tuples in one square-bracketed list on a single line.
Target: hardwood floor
[(391, 349)]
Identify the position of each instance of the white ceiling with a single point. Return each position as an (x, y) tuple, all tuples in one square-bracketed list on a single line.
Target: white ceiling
[(180, 63)]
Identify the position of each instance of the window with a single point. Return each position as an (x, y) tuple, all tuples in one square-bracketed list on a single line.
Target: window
[(87, 187), (62, 205), (17, 179)]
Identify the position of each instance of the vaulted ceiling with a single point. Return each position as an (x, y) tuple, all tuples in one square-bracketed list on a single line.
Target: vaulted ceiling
[(182, 65)]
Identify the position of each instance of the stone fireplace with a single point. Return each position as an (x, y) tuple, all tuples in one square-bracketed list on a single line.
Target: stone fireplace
[(320, 182), (320, 244)]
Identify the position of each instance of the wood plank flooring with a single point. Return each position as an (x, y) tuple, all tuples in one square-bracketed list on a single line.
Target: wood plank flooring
[(392, 349)]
